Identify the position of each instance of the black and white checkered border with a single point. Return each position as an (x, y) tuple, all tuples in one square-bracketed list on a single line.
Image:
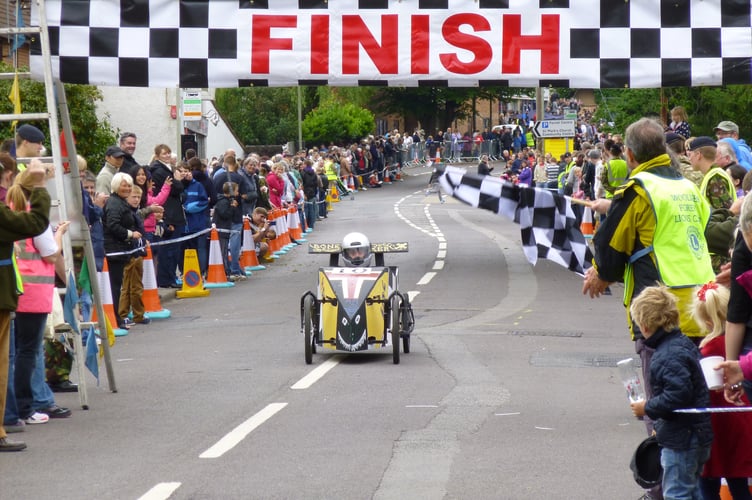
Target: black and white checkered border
[(606, 43)]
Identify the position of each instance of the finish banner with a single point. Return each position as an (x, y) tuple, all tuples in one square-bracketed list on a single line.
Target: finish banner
[(456, 43)]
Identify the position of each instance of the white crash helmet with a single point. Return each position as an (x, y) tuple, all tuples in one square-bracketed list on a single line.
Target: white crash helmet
[(356, 250)]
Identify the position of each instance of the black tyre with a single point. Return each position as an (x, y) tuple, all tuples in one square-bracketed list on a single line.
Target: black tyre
[(308, 329), (395, 327), (404, 321)]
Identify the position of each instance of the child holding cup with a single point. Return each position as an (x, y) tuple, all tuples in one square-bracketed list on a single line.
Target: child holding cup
[(678, 382), (731, 451)]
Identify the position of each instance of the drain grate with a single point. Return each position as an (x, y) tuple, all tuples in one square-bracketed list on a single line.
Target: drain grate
[(577, 359), (545, 333)]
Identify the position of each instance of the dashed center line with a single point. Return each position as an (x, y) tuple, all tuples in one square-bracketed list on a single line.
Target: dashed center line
[(316, 373), (161, 491), (235, 436)]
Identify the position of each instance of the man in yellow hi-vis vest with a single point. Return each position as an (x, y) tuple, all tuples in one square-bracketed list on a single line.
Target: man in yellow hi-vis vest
[(654, 232)]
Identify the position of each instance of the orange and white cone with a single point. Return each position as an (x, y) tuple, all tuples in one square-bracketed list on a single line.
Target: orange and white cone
[(398, 175), (387, 176), (215, 274), (293, 221), (351, 183), (586, 226), (105, 289), (150, 297), (248, 258)]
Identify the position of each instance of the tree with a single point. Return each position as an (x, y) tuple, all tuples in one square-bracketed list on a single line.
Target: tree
[(93, 136), (706, 106), (336, 122), (261, 115), (438, 107)]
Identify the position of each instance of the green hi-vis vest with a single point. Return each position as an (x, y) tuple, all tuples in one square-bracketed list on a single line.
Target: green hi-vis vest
[(617, 173), (19, 280), (562, 179), (679, 247), (718, 171)]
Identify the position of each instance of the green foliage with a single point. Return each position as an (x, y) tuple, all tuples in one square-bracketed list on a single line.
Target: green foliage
[(93, 136), (438, 107), (260, 115), (336, 122), (270, 115), (706, 106)]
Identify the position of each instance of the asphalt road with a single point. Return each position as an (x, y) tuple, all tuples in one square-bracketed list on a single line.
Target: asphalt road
[(510, 391)]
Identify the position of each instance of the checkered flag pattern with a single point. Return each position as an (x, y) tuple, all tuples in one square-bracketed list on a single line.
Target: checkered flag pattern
[(517, 43), (549, 223)]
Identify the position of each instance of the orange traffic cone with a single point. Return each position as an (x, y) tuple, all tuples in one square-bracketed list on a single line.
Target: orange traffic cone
[(387, 176), (215, 274), (586, 226), (398, 175), (351, 183), (284, 230), (150, 297), (109, 309), (248, 258), (293, 221), (275, 244)]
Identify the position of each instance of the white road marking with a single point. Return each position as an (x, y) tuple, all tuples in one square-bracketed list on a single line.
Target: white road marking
[(235, 436), (507, 414), (438, 265), (412, 294), (544, 428), (315, 374), (426, 279), (441, 254), (162, 491)]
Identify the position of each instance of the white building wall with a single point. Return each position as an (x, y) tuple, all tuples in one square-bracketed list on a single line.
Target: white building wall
[(147, 112)]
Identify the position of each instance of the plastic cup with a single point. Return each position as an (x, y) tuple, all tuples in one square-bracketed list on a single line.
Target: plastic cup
[(714, 378)]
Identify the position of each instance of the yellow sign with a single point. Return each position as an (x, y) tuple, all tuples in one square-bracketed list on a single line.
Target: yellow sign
[(193, 284)]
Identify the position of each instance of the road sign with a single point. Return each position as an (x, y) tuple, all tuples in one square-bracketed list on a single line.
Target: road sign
[(191, 106), (554, 128)]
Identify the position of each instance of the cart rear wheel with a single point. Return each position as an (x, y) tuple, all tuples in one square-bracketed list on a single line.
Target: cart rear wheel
[(395, 327), (308, 329)]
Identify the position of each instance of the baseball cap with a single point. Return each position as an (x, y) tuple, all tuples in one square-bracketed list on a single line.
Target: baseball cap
[(728, 126), (115, 152), (30, 133), (699, 142), (672, 137)]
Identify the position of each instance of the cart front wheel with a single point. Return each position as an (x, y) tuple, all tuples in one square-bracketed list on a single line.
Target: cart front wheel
[(395, 327), (308, 329)]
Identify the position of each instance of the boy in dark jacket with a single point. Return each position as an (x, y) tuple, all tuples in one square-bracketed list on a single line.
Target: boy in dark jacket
[(678, 382), (224, 211)]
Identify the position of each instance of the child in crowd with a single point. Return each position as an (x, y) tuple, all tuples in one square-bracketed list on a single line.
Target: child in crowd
[(678, 382), (731, 452), (223, 214), (260, 230), (133, 286), (93, 211)]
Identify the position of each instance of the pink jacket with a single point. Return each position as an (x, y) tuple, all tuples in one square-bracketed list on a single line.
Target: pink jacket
[(745, 363), (276, 189), (150, 223)]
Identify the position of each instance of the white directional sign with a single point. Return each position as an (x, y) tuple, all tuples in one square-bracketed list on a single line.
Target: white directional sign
[(554, 128)]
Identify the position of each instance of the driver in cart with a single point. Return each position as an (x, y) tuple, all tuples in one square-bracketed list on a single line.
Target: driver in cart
[(356, 250)]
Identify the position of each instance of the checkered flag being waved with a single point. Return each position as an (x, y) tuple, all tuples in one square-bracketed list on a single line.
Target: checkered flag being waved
[(549, 223)]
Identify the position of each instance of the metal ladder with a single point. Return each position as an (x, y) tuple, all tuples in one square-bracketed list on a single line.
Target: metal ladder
[(70, 208)]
